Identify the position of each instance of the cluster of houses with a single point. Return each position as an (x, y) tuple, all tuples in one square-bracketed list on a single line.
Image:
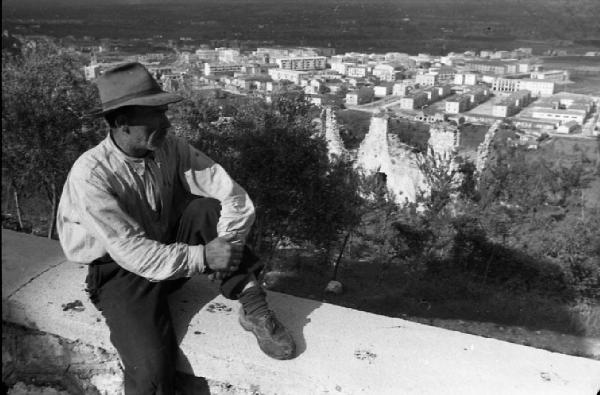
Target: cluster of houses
[(462, 80)]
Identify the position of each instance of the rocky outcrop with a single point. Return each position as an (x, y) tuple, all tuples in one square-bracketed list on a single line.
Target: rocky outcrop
[(444, 138), (483, 151), (380, 152), (335, 145)]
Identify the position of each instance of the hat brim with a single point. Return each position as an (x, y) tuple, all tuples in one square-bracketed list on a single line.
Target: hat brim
[(154, 100)]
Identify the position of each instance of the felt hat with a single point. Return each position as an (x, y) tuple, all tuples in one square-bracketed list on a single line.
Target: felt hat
[(130, 84)]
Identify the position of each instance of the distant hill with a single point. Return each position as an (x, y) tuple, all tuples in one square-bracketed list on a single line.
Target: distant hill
[(435, 26)]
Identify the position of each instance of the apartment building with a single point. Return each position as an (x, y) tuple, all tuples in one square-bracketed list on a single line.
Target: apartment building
[(536, 87), (443, 72), (457, 104), (340, 67), (426, 79), (564, 107), (507, 85), (465, 79), (227, 55), (443, 90), (501, 55), (222, 68), (568, 127), (274, 53), (477, 96), (487, 66), (550, 75), (414, 100), (567, 100), (383, 90), (402, 88), (432, 94), (294, 76), (511, 104), (559, 116), (493, 66), (357, 71), (385, 72), (302, 63), (360, 96)]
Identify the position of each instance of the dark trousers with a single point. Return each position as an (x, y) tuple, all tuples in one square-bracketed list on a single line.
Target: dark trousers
[(137, 311)]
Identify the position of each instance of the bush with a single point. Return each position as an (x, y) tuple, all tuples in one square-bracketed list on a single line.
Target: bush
[(281, 160)]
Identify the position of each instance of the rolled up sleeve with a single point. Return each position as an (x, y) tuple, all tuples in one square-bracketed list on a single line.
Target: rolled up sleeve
[(203, 177), (125, 240)]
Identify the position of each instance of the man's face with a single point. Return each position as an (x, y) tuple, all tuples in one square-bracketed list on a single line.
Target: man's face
[(148, 127)]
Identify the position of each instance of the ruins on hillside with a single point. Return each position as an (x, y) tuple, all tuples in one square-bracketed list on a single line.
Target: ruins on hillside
[(485, 147), (444, 138), (335, 145), (384, 153)]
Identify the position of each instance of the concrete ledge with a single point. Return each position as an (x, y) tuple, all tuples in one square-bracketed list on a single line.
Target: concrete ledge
[(342, 351)]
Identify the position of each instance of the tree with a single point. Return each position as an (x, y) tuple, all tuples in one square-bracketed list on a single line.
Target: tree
[(275, 153), (44, 97)]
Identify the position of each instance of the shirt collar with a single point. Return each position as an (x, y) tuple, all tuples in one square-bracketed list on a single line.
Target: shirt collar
[(139, 164)]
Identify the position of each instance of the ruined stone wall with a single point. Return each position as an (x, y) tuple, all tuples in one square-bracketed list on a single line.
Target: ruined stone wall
[(444, 138), (335, 145), (386, 154), (483, 151)]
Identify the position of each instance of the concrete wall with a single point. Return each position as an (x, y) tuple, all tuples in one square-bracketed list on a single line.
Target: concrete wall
[(341, 350)]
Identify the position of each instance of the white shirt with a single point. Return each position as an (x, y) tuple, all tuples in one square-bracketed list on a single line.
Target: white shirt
[(129, 207)]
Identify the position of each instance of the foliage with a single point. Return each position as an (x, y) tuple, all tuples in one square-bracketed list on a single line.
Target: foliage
[(275, 153), (44, 96), (515, 227), (354, 125), (412, 133)]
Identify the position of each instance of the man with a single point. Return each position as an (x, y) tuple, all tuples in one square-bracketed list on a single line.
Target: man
[(146, 211)]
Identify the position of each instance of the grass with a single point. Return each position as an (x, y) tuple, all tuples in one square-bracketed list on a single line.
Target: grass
[(354, 125), (471, 136), (463, 303)]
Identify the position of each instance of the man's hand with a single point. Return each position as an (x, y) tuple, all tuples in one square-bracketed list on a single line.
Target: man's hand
[(222, 256)]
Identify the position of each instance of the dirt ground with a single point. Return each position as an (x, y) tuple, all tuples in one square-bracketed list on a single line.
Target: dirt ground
[(552, 330)]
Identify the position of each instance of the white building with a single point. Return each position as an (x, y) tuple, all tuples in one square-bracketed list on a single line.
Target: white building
[(443, 90), (477, 96), (357, 71), (550, 75), (383, 90), (302, 63), (559, 116), (402, 89), (426, 79), (222, 68), (511, 104), (536, 87), (294, 76), (414, 100), (567, 127), (385, 72), (432, 94), (457, 104), (91, 72), (465, 79), (360, 96), (228, 55), (207, 55)]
